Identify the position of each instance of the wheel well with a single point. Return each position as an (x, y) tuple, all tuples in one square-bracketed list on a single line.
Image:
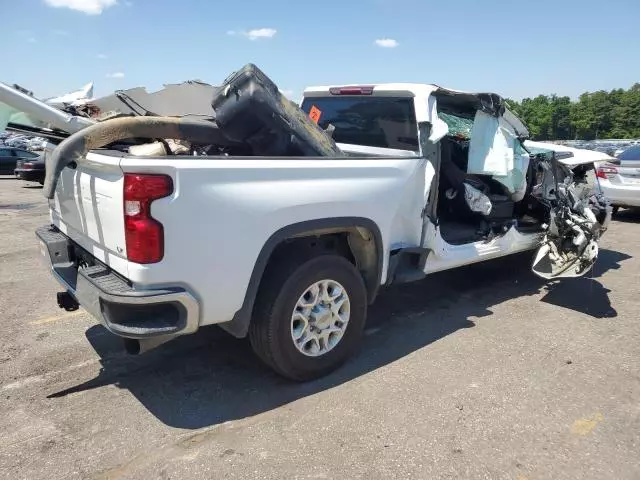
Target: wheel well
[(356, 239), (356, 244)]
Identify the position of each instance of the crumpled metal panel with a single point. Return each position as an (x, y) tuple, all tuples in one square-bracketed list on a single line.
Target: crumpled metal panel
[(174, 100)]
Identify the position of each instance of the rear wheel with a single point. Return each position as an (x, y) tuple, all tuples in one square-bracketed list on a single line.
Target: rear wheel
[(309, 316)]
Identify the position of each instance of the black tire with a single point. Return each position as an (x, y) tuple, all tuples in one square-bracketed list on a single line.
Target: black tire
[(270, 330), (615, 210)]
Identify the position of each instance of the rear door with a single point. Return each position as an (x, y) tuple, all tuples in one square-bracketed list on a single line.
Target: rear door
[(88, 207)]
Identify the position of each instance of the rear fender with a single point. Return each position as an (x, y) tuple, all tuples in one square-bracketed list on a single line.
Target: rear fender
[(239, 325)]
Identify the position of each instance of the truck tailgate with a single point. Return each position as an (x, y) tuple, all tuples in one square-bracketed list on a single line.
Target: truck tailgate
[(88, 208)]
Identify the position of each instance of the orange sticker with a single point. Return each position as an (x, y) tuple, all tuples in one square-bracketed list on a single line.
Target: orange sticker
[(314, 113)]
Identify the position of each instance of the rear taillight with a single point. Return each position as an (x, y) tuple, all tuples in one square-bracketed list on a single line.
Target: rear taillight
[(144, 235), (605, 172), (27, 166), (351, 91)]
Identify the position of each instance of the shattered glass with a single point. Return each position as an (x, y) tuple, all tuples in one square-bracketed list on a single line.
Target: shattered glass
[(546, 154), (458, 126)]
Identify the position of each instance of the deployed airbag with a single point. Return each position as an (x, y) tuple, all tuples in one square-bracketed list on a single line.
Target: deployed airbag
[(492, 151)]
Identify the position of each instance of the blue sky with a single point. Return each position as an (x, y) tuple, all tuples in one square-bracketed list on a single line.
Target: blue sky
[(512, 47)]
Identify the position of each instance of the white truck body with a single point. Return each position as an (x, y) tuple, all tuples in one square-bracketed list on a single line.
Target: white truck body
[(225, 217)]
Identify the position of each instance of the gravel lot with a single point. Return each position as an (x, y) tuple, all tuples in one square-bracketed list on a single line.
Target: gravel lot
[(484, 372)]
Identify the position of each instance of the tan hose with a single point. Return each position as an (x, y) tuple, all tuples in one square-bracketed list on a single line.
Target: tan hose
[(75, 147)]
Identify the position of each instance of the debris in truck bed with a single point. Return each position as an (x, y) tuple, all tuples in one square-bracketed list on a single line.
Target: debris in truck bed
[(250, 108), (192, 97), (252, 118)]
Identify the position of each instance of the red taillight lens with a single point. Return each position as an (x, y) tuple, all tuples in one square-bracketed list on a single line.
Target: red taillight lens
[(144, 235), (604, 172), (351, 91), (27, 166)]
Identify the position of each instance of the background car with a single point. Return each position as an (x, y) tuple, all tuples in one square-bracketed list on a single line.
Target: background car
[(31, 170), (620, 180), (9, 157)]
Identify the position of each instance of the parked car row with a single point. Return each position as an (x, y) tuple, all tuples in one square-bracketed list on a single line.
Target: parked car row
[(23, 164), (24, 142), (619, 180), (610, 147)]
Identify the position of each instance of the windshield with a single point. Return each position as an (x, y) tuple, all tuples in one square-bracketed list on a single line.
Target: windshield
[(373, 121)]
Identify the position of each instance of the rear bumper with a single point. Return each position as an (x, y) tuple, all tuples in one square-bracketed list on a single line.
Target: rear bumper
[(621, 195), (29, 175), (122, 309)]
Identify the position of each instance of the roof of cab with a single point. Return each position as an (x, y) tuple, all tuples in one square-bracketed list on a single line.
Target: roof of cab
[(424, 90), (418, 89)]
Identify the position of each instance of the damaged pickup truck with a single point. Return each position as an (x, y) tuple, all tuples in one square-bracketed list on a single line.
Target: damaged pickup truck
[(282, 223)]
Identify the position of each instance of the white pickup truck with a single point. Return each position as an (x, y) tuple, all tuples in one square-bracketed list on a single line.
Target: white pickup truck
[(291, 250)]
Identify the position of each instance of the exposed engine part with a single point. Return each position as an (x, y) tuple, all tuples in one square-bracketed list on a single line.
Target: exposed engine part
[(75, 147), (577, 220)]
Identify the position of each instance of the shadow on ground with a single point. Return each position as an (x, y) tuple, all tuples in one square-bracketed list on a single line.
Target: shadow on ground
[(210, 378), (628, 215)]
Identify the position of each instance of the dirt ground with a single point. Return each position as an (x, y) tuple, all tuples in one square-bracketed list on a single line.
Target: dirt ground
[(484, 372)]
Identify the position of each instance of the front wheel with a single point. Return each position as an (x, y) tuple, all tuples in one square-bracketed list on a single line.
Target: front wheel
[(309, 317)]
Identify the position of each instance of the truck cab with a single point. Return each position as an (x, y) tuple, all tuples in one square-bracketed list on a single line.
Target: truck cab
[(485, 194)]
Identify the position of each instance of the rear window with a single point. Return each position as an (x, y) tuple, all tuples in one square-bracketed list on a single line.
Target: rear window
[(630, 154), (387, 122), (25, 154)]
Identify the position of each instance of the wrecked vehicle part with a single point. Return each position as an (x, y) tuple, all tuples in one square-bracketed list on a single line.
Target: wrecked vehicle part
[(190, 98), (24, 110), (250, 109), (576, 223), (74, 148), (478, 202), (257, 120)]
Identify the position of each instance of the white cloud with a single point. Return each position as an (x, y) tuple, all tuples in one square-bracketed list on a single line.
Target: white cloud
[(386, 43), (128, 4), (101, 56), (260, 33), (115, 75), (256, 33), (90, 7), (31, 40)]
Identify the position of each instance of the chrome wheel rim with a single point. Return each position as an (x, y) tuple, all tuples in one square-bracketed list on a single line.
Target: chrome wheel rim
[(320, 318)]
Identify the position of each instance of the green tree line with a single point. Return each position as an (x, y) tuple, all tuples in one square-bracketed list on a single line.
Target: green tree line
[(601, 114)]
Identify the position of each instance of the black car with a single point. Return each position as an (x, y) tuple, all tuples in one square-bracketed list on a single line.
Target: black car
[(31, 170), (9, 157)]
